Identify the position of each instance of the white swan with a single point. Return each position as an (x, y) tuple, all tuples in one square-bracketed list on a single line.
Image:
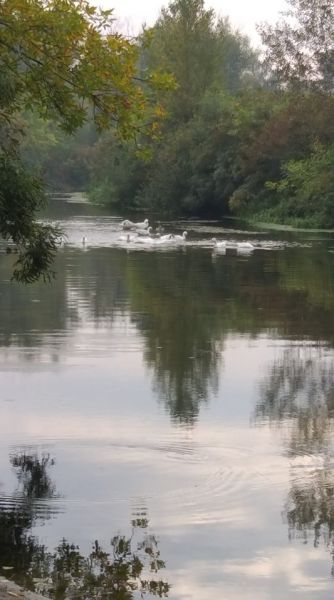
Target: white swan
[(131, 225), (180, 238), (144, 232), (142, 225), (246, 246), (221, 244), (128, 224)]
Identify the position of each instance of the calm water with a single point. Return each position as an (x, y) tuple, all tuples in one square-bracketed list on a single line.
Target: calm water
[(175, 406)]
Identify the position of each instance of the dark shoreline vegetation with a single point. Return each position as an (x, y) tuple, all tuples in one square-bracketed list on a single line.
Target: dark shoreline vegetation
[(187, 119)]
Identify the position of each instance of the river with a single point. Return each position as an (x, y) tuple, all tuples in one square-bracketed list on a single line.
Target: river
[(173, 408)]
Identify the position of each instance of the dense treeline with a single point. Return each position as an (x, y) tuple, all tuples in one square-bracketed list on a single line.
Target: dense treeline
[(241, 134)]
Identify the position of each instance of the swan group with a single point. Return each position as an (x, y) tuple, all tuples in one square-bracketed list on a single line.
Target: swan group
[(143, 234)]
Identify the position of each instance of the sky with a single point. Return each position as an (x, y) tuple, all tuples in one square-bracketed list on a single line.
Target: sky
[(244, 14)]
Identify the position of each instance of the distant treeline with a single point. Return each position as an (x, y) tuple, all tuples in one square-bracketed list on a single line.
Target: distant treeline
[(241, 132)]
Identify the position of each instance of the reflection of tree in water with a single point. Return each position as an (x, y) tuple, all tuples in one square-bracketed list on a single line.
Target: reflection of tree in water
[(19, 513), (36, 308), (299, 390), (33, 316), (309, 510), (179, 315), (184, 305), (131, 565), (298, 396), (32, 475)]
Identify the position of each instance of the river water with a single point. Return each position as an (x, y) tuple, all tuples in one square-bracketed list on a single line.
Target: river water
[(171, 406)]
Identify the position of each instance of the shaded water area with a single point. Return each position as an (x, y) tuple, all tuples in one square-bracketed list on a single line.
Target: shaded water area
[(167, 416)]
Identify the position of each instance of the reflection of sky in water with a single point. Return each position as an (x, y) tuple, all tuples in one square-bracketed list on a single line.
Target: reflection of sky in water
[(89, 375)]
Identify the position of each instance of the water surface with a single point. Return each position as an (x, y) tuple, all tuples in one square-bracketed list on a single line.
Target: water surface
[(180, 400)]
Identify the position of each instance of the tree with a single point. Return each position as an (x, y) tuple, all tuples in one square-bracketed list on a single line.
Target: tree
[(183, 44), (200, 50), (208, 60), (60, 58), (300, 48)]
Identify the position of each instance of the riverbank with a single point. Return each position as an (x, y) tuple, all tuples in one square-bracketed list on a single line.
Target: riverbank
[(10, 591)]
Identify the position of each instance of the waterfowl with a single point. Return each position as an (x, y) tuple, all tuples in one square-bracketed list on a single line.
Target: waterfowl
[(144, 232), (180, 238), (221, 244), (127, 224), (131, 225), (245, 246), (142, 225)]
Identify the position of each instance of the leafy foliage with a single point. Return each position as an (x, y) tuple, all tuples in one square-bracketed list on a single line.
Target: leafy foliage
[(307, 183), (21, 195), (300, 48), (61, 54), (61, 59)]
